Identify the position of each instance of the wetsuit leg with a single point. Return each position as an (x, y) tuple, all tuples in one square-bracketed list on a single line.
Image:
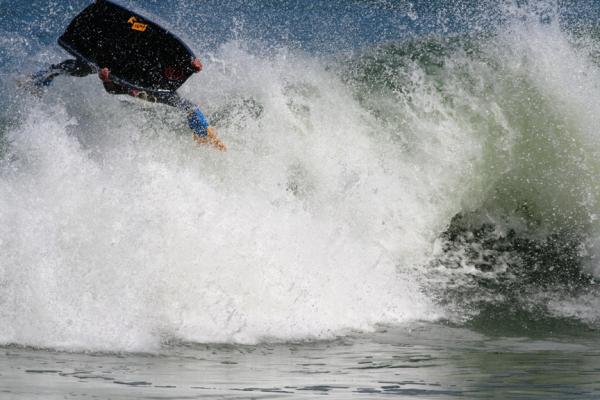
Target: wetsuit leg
[(174, 100), (68, 67), (195, 118)]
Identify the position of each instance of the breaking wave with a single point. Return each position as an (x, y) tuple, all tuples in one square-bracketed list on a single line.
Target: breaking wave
[(445, 176)]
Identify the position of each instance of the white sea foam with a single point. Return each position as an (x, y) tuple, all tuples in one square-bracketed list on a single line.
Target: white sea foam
[(117, 232)]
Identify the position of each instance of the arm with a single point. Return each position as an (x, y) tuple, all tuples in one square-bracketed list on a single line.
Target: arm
[(111, 87)]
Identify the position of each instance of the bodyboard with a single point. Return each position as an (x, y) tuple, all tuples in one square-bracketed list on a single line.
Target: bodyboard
[(139, 53)]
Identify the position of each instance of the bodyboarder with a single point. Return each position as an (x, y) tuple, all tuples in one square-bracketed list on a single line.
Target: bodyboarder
[(203, 132)]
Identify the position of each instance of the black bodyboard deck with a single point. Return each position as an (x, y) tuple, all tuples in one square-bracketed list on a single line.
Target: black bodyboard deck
[(139, 53)]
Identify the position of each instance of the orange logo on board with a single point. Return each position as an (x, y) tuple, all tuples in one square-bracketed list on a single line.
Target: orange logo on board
[(137, 26)]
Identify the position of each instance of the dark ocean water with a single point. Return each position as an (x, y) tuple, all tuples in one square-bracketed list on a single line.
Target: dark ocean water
[(409, 206)]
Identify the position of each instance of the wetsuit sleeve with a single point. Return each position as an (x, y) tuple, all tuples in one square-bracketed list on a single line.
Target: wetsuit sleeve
[(195, 118)]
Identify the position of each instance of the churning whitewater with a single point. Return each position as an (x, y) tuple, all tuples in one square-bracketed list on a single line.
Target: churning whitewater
[(387, 184)]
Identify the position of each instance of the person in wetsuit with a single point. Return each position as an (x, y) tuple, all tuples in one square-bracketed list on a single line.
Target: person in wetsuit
[(203, 132)]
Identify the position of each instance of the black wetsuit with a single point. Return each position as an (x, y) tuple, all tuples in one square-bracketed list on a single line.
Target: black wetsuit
[(79, 68), (74, 67)]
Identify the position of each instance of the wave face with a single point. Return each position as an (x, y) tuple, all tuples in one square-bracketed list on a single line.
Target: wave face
[(444, 171)]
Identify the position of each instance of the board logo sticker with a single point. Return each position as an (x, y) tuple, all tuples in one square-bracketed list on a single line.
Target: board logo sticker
[(137, 26), (173, 73)]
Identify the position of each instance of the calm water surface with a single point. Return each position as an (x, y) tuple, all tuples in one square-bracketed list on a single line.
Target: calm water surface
[(419, 361)]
